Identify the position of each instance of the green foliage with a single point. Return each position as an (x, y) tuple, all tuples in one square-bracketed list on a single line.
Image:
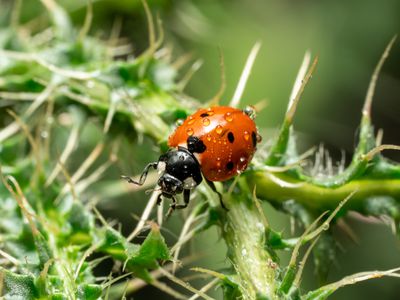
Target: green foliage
[(57, 88)]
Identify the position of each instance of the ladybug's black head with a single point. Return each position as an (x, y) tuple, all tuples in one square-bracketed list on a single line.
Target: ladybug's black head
[(170, 185), (180, 171)]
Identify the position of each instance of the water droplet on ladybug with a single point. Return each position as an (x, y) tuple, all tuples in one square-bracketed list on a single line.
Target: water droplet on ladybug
[(242, 164), (189, 131), (179, 122), (208, 137), (210, 112), (191, 120), (228, 117), (218, 129), (246, 135), (218, 162), (206, 121)]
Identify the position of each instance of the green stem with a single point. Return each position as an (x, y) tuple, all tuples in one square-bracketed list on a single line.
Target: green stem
[(321, 198), (243, 230)]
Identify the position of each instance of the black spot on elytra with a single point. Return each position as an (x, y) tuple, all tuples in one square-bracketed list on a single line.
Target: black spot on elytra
[(203, 115), (231, 137), (254, 139), (229, 166), (195, 145)]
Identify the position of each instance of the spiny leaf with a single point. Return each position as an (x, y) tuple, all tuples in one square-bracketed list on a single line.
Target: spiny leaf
[(325, 291), (89, 291), (18, 286), (137, 258)]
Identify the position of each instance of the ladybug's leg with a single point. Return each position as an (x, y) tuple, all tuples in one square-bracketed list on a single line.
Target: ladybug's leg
[(171, 207), (186, 198), (212, 186), (159, 199), (143, 176)]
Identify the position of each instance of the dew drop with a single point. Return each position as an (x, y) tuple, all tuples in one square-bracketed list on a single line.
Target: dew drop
[(191, 120), (259, 138), (206, 121), (246, 135), (189, 131), (218, 129), (210, 112), (208, 137), (242, 164), (228, 117), (50, 120), (260, 226), (179, 122), (44, 134)]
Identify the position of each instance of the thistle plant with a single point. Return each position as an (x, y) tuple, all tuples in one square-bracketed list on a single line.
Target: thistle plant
[(61, 86)]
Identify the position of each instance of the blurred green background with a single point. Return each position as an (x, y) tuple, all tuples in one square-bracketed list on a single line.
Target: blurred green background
[(348, 37)]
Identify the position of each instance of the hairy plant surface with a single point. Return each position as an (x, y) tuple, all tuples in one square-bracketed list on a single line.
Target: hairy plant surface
[(61, 86)]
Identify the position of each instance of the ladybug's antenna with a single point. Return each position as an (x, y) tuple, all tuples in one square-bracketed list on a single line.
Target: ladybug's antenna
[(149, 191)]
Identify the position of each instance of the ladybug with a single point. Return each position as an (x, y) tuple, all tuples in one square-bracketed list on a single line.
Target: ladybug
[(216, 143)]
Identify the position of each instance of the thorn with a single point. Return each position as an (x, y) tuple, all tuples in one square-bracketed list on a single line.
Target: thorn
[(245, 75), (366, 112), (88, 21), (370, 155), (293, 103), (215, 100), (300, 76), (151, 29)]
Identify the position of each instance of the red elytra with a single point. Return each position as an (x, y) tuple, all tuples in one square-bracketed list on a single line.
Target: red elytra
[(229, 135)]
